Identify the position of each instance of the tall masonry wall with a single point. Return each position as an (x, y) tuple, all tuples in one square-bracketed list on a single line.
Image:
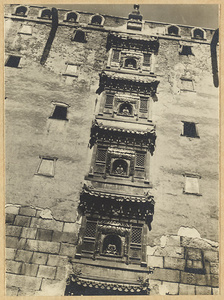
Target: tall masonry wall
[(42, 238)]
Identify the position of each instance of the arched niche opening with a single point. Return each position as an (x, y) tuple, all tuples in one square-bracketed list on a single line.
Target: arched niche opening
[(126, 109), (198, 33), (79, 36), (130, 63), (21, 11), (173, 30), (112, 245), (71, 17), (97, 20), (46, 14), (120, 167)]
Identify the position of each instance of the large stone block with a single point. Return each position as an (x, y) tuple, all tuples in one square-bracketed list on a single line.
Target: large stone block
[(15, 242), (67, 249), (215, 291), (46, 224), (155, 261), (170, 251), (61, 273), (203, 290), (70, 227), (51, 287), (168, 288), (12, 209), (166, 275), (198, 243), (13, 266), (29, 233), (12, 291), (23, 255), (186, 289), (13, 230), (66, 237), (211, 255), (173, 240), (22, 221), (174, 263), (42, 246), (57, 260), (27, 211), (215, 280), (29, 269), (196, 279), (9, 218), (20, 281), (10, 253), (214, 268), (46, 272), (44, 234), (39, 258)]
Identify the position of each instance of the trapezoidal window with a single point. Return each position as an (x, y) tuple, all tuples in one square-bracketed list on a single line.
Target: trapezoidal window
[(173, 30), (187, 85), (97, 20), (21, 11), (189, 129), (185, 50), (46, 14), (46, 166), (71, 17), (60, 112), (126, 109), (79, 36), (191, 184), (13, 61), (130, 63), (198, 33), (119, 168), (112, 245)]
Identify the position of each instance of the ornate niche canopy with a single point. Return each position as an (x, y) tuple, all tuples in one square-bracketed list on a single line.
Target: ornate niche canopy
[(113, 205), (115, 135), (77, 285), (132, 42), (127, 83)]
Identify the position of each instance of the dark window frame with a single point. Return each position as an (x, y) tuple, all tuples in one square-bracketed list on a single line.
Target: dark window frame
[(190, 129)]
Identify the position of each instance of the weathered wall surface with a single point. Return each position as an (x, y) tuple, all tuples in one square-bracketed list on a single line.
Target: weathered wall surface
[(40, 249), (39, 246)]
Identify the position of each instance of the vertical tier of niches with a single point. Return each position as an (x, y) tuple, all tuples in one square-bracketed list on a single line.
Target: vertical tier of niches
[(116, 199)]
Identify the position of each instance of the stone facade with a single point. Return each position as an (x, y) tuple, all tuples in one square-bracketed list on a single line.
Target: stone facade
[(53, 95)]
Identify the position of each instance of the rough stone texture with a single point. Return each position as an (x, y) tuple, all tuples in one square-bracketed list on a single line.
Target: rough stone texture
[(186, 289)]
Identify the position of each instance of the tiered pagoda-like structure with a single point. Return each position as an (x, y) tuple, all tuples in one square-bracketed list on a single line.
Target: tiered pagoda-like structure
[(116, 200)]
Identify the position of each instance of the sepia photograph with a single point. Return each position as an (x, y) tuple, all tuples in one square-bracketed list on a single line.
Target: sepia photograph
[(111, 132)]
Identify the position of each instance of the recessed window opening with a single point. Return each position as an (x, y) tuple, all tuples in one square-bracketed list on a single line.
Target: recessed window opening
[(13, 61), (189, 129), (96, 20), (46, 14), (116, 56), (109, 101), (112, 245), (120, 167), (126, 109), (60, 112), (146, 59), (46, 166), (187, 84), (130, 63), (186, 50), (21, 11), (173, 30), (79, 36), (143, 104), (198, 33), (140, 160), (191, 184), (72, 17)]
